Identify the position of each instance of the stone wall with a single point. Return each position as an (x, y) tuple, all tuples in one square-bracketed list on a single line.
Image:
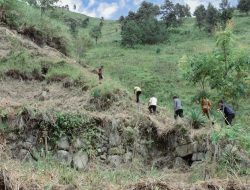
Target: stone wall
[(117, 141)]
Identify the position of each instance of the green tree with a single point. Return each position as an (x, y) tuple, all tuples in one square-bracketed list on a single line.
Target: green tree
[(85, 22), (121, 19), (131, 34), (142, 27), (224, 43), (226, 12), (46, 4), (147, 11), (199, 69), (187, 11), (169, 14), (244, 6), (200, 15), (172, 14), (96, 33), (226, 69), (179, 10), (212, 17), (151, 31)]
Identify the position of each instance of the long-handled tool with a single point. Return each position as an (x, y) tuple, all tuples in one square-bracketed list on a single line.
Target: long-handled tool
[(224, 117)]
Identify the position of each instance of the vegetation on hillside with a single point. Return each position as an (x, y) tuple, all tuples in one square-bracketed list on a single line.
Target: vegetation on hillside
[(168, 57)]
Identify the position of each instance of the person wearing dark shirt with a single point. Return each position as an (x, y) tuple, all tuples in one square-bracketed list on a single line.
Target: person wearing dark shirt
[(229, 113)]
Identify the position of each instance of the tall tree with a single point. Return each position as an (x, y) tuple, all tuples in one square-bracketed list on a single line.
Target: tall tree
[(179, 10), (187, 11), (226, 12), (96, 33), (212, 17), (131, 34), (168, 13), (46, 4), (142, 27), (244, 6), (148, 10), (200, 14)]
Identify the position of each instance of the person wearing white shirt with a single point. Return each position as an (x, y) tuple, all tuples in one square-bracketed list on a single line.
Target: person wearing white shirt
[(152, 104), (137, 91)]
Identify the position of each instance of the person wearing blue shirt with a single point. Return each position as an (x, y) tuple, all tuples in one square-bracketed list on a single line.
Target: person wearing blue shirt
[(229, 113), (178, 111)]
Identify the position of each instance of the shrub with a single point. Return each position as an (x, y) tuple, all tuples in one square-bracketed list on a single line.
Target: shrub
[(103, 96), (196, 119)]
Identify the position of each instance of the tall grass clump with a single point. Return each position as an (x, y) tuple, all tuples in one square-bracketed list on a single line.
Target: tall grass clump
[(196, 119)]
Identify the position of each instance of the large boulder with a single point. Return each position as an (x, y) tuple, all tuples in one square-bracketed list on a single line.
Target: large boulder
[(180, 163), (164, 162), (114, 138), (198, 156), (128, 157), (64, 157), (80, 160), (115, 160), (63, 143), (187, 149)]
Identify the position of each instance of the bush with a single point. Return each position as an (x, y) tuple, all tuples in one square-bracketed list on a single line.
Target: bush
[(196, 119), (103, 96)]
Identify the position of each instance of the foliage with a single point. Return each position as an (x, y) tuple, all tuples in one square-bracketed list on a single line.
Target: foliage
[(131, 34), (199, 69), (96, 32), (130, 134), (224, 69), (172, 14), (46, 4), (226, 12), (142, 27), (212, 18), (244, 6), (238, 134), (200, 15), (196, 119)]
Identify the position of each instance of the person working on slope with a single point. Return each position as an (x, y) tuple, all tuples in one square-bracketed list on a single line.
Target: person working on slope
[(100, 73), (137, 92), (178, 111), (152, 104), (206, 106), (228, 112)]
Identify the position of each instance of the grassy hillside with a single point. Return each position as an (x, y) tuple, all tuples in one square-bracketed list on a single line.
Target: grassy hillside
[(160, 73), (41, 53), (156, 68)]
